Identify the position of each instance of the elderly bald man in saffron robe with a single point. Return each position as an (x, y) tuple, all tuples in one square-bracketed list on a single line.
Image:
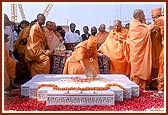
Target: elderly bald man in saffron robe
[(83, 59), (114, 48), (140, 50), (37, 52), (52, 39), (57, 33), (101, 35)]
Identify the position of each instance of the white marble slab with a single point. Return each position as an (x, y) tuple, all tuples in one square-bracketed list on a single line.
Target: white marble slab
[(42, 93), (118, 93), (74, 96)]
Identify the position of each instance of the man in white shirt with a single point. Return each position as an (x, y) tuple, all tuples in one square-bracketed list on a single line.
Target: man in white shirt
[(8, 30), (71, 36)]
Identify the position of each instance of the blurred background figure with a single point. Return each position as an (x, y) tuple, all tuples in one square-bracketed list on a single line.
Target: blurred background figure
[(93, 31), (86, 34), (101, 35)]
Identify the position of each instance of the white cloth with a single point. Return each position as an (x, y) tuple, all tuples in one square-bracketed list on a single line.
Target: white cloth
[(87, 35), (8, 30), (71, 37)]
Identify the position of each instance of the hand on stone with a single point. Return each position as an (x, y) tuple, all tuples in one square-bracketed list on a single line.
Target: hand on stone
[(87, 73)]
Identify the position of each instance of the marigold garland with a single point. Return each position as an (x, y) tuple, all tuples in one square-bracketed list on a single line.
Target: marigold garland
[(55, 87)]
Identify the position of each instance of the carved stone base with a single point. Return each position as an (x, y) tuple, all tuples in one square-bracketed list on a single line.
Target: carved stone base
[(97, 98), (25, 89), (135, 90), (33, 91), (42, 93), (127, 94), (118, 93)]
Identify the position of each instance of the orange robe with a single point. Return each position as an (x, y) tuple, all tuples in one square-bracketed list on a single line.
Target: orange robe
[(156, 50), (161, 72), (52, 39), (72, 64), (114, 49), (9, 67), (21, 42), (59, 36), (140, 53), (101, 37), (23, 35), (36, 52), (160, 23), (22, 71)]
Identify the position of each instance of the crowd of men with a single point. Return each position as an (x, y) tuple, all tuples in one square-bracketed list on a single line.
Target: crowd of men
[(136, 50)]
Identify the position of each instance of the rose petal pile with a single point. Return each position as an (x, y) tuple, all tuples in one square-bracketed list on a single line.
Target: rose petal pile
[(146, 100)]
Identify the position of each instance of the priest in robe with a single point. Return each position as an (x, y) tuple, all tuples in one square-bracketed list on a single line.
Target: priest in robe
[(84, 58), (37, 53), (116, 49)]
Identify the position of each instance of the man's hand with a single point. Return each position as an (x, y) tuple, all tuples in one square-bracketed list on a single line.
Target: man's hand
[(99, 52), (47, 52)]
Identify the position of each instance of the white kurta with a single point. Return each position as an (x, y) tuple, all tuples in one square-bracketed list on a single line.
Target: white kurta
[(72, 37)]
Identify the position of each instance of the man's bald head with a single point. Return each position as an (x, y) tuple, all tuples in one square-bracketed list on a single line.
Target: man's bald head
[(156, 13), (139, 15), (117, 21), (41, 19), (102, 28), (40, 15), (49, 25), (103, 25), (54, 26), (117, 25)]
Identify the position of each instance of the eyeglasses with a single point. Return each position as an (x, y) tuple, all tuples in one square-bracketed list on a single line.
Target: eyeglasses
[(156, 16)]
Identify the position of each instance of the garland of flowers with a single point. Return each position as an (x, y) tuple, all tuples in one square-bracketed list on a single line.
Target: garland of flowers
[(55, 87)]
